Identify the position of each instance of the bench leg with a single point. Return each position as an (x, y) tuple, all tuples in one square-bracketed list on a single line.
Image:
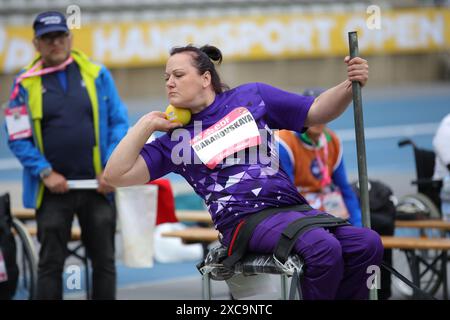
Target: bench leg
[(415, 272), (206, 287), (444, 274), (86, 279)]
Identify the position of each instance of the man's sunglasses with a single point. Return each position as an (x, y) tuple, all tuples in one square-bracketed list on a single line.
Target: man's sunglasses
[(52, 36)]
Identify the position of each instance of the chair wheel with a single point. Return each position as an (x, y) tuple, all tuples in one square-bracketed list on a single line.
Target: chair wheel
[(417, 206)]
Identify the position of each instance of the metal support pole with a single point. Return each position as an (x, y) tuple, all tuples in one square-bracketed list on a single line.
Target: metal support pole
[(360, 143), (359, 132)]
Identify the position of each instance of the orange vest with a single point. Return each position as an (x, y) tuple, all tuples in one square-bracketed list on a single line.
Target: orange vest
[(303, 156)]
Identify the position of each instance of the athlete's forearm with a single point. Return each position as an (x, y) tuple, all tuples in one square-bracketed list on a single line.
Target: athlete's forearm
[(330, 104), (127, 151)]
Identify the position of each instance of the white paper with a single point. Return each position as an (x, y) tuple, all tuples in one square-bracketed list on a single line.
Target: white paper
[(136, 208), (83, 184)]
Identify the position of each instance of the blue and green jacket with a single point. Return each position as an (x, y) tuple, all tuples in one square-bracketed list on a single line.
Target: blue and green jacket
[(109, 116)]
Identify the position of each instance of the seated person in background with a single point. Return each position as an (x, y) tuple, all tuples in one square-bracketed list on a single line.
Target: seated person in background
[(313, 160), (441, 144)]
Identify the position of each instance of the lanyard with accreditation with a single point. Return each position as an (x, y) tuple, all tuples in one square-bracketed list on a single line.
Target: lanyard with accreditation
[(330, 198), (17, 119)]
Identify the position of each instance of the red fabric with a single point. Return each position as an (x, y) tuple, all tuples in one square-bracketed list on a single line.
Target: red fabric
[(166, 202), (230, 247)]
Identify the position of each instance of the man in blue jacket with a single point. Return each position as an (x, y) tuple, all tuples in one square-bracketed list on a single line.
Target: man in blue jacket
[(76, 119)]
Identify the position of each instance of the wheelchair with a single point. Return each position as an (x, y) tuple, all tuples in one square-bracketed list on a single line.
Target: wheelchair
[(424, 204), (25, 253), (427, 199), (27, 261)]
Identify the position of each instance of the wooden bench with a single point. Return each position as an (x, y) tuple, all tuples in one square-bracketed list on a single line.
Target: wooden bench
[(30, 214), (198, 234), (424, 224), (413, 243), (24, 214), (201, 216), (194, 235), (74, 236)]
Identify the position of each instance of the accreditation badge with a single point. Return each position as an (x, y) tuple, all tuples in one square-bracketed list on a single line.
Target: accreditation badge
[(18, 123), (314, 199), (330, 202), (3, 273), (234, 132), (333, 203)]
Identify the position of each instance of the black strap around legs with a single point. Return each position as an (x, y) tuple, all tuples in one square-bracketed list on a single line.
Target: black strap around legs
[(296, 228), (238, 247)]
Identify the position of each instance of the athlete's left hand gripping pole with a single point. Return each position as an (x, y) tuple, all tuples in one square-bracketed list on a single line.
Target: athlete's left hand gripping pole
[(360, 144)]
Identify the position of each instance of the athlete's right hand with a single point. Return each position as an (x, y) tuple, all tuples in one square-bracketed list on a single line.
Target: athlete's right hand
[(157, 121), (56, 183)]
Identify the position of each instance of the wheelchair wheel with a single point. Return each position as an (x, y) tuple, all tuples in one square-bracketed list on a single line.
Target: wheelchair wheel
[(417, 206), (430, 279), (26, 260)]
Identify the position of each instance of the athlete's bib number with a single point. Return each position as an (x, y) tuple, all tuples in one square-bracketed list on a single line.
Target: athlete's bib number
[(233, 133)]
